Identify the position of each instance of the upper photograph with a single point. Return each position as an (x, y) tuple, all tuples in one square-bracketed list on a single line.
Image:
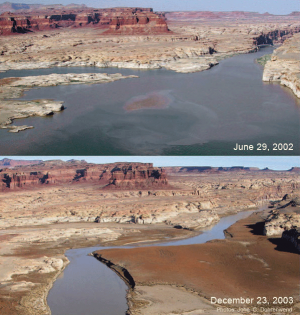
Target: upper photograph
[(149, 77)]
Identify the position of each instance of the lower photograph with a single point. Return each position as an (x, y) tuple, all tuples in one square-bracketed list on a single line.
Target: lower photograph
[(149, 235)]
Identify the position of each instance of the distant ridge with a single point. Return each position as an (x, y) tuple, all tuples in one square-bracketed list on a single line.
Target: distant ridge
[(9, 163), (214, 170), (295, 169), (13, 7), (210, 169)]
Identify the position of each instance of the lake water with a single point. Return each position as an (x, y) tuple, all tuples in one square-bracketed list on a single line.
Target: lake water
[(206, 114), (89, 287)]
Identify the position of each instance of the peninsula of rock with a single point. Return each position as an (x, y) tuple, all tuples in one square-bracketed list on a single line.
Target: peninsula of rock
[(36, 36), (14, 88)]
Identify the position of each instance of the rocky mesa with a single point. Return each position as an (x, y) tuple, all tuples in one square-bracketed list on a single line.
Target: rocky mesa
[(52, 206), (114, 20), (138, 38), (109, 176), (133, 193)]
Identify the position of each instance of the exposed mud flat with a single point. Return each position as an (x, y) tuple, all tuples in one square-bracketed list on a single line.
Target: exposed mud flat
[(248, 264), (30, 265), (37, 228)]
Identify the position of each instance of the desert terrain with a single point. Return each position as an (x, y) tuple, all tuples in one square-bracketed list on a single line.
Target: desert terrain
[(248, 264), (49, 207), (34, 37)]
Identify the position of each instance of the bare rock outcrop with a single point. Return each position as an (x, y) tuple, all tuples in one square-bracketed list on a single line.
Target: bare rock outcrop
[(137, 177), (14, 88), (132, 193), (284, 66), (137, 38), (114, 20), (209, 169), (110, 176), (196, 220), (286, 216)]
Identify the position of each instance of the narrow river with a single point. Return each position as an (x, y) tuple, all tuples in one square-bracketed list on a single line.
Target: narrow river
[(90, 287)]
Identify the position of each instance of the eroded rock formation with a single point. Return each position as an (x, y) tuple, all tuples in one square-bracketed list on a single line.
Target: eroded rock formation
[(137, 177), (14, 88), (110, 176), (284, 217), (115, 20), (284, 66), (137, 38)]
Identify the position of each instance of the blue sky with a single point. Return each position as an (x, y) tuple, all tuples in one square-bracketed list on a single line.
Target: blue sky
[(261, 6), (272, 162)]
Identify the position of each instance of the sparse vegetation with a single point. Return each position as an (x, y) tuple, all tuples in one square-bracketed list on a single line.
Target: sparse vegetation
[(263, 60)]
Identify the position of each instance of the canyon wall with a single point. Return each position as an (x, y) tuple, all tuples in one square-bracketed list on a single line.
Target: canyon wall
[(137, 177), (134, 38), (110, 176), (115, 20), (77, 191), (284, 66)]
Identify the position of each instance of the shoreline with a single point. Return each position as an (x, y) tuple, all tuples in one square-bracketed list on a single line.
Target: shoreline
[(236, 235), (39, 284), (32, 250), (11, 88), (125, 275), (283, 66), (14, 87), (41, 292)]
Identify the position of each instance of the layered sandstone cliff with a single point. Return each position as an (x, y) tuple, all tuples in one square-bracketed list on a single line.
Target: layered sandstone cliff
[(284, 66), (110, 176), (135, 40), (137, 177), (115, 20), (77, 191)]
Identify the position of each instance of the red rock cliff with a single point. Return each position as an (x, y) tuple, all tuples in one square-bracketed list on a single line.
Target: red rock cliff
[(132, 176), (115, 20), (111, 176)]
